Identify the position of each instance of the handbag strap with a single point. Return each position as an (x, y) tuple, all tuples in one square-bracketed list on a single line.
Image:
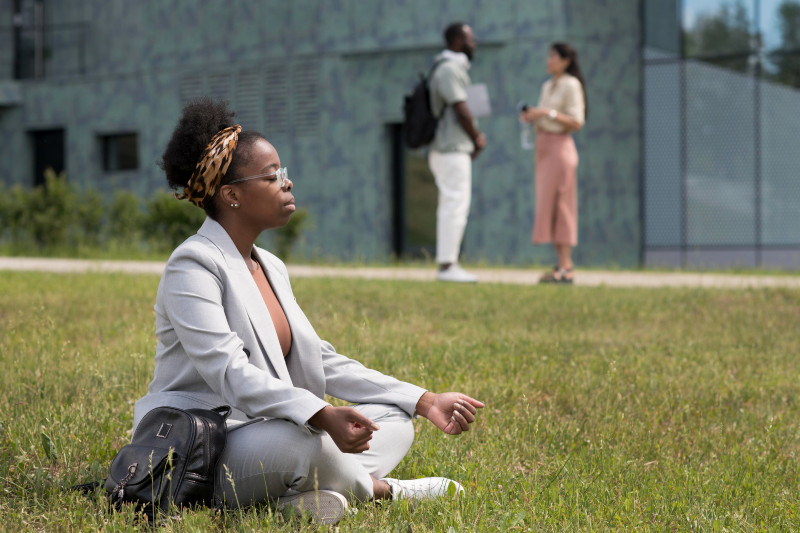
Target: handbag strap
[(223, 410)]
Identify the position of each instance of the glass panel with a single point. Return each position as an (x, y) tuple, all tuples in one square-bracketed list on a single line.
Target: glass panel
[(713, 27), (780, 163), (662, 145), (720, 155), (662, 31), (783, 68), (779, 24)]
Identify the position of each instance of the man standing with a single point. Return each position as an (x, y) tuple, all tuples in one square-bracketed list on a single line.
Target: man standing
[(456, 143)]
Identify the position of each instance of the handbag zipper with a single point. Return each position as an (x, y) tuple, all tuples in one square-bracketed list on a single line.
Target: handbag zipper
[(119, 490), (206, 443)]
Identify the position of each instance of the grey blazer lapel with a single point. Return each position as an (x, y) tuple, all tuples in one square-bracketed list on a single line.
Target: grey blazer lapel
[(245, 288), (304, 358)]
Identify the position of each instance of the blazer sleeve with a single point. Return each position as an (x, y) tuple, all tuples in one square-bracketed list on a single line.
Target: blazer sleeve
[(351, 381), (192, 300)]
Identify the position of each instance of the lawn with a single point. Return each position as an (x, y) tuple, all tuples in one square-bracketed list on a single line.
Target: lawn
[(607, 409)]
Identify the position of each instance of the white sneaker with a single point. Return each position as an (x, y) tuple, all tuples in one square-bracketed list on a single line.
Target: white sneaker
[(326, 506), (423, 488), (457, 274)]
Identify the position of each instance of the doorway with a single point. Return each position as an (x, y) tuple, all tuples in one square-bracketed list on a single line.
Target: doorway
[(48, 152), (414, 199)]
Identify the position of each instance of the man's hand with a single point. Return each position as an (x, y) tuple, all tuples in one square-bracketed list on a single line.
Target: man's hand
[(452, 412), (349, 429), (467, 123), (480, 144)]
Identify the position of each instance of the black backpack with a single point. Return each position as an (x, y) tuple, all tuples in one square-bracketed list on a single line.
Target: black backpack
[(420, 124), (172, 459)]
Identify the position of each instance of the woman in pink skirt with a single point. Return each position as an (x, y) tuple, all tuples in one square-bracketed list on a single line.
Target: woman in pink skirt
[(560, 112)]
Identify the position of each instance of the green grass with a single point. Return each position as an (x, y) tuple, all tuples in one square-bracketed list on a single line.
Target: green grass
[(607, 409)]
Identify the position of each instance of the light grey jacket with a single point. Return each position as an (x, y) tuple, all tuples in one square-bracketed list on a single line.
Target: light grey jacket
[(217, 344)]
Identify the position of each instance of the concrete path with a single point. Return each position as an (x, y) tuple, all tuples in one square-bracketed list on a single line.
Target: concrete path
[(586, 278)]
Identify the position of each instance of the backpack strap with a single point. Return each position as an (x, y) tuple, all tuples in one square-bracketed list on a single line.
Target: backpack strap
[(430, 74), (436, 64)]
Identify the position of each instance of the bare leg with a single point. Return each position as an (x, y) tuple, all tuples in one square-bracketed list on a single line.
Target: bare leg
[(563, 271), (381, 489), (564, 252)]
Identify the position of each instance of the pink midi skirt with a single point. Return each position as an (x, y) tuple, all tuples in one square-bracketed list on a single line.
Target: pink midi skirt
[(556, 216)]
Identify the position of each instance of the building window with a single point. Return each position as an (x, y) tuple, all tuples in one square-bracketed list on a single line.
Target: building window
[(120, 151)]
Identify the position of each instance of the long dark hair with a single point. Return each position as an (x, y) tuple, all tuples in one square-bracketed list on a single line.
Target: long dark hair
[(567, 51)]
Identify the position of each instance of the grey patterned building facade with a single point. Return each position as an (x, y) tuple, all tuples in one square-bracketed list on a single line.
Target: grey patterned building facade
[(103, 81)]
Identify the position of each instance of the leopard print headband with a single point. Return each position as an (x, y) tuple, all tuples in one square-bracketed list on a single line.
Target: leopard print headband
[(212, 166)]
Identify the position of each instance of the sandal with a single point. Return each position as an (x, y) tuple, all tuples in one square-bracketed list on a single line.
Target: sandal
[(558, 275)]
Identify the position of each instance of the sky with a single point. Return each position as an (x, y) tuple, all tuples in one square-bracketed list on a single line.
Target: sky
[(768, 10)]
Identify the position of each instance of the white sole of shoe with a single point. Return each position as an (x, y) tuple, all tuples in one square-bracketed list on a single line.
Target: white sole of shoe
[(326, 506)]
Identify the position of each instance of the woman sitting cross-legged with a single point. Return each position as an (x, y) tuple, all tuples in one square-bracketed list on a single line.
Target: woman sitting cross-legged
[(231, 333)]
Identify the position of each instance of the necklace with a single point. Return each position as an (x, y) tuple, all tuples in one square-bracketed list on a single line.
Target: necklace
[(254, 269)]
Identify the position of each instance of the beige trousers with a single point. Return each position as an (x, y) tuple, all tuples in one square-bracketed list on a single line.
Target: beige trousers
[(453, 174)]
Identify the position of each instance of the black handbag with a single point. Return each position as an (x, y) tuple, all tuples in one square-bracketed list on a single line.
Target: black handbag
[(172, 459)]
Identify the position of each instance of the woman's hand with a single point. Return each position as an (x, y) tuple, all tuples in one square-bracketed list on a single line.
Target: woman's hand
[(532, 114), (452, 412), (349, 429)]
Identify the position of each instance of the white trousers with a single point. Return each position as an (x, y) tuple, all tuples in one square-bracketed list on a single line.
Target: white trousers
[(453, 174), (266, 459)]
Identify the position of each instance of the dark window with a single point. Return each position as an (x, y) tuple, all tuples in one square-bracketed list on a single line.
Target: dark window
[(28, 38), (48, 152), (120, 151)]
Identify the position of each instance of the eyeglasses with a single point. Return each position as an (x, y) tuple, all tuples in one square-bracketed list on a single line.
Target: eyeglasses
[(281, 175)]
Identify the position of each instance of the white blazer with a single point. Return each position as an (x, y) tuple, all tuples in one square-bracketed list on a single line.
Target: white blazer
[(217, 344)]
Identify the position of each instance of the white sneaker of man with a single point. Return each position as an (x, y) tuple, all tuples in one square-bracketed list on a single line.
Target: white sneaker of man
[(456, 274), (325, 506), (423, 488)]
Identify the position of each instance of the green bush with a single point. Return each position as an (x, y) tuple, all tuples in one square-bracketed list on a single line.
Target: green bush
[(169, 222), (51, 211), (125, 218), (58, 218), (286, 237), (13, 207), (89, 214), (52, 216)]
